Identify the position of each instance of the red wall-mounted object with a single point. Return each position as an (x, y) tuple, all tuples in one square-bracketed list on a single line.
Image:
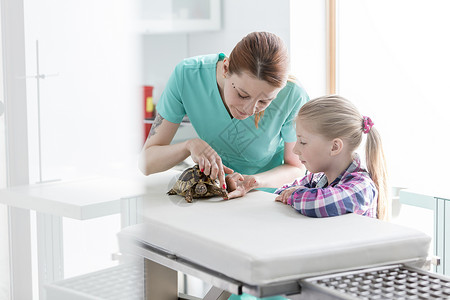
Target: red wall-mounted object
[(148, 102), (149, 109)]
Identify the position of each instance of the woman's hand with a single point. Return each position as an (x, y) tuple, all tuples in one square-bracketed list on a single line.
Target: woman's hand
[(284, 196), (239, 185), (208, 160)]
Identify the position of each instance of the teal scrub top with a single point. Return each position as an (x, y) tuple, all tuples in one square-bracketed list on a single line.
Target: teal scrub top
[(192, 90)]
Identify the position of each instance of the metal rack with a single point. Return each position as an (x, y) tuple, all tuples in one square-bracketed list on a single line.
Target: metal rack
[(391, 282)]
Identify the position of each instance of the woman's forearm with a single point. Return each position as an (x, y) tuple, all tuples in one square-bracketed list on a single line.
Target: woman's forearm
[(279, 176), (158, 158)]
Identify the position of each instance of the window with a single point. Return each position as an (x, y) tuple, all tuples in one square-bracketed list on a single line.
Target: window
[(308, 45), (393, 63)]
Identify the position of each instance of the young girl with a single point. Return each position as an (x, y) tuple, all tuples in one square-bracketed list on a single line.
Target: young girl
[(329, 130)]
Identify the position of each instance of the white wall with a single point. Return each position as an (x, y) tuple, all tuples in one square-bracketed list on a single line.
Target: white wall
[(162, 52), (239, 19)]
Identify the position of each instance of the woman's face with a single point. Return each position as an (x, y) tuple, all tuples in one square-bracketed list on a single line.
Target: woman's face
[(245, 95)]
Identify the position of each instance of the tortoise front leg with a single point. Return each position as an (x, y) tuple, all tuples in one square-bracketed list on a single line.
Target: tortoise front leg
[(189, 194)]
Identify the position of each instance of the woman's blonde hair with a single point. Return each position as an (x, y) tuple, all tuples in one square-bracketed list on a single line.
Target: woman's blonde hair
[(336, 117)]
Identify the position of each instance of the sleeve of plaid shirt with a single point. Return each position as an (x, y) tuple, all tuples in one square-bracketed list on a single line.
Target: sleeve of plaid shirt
[(303, 182), (354, 193)]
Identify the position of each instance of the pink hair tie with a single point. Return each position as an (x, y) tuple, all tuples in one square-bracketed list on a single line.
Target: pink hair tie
[(367, 124)]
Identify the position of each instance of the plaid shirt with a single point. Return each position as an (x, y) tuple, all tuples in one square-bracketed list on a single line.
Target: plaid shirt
[(351, 192)]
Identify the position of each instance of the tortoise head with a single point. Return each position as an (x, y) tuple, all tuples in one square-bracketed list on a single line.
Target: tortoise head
[(201, 188)]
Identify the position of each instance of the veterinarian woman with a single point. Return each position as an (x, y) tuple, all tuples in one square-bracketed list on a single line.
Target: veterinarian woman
[(243, 109)]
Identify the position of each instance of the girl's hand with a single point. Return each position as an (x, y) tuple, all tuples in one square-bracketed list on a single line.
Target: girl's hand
[(208, 160), (239, 185), (284, 196)]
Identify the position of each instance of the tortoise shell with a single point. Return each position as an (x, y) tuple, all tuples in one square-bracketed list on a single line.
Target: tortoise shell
[(193, 184)]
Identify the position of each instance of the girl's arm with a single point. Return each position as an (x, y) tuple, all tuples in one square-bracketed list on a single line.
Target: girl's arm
[(274, 178), (288, 172), (357, 194)]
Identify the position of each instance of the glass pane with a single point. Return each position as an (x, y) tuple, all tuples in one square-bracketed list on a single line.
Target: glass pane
[(88, 88), (84, 108), (89, 244), (192, 9), (174, 9), (154, 9)]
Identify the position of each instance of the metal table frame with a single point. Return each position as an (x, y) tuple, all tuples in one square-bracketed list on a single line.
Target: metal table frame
[(161, 268)]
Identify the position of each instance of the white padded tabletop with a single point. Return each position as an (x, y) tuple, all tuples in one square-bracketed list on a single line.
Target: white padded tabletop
[(259, 241)]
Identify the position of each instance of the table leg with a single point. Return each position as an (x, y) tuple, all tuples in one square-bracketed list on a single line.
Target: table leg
[(439, 234), (217, 294), (50, 250), (161, 283)]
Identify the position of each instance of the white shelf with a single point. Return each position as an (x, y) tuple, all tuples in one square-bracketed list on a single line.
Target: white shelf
[(124, 281), (78, 199)]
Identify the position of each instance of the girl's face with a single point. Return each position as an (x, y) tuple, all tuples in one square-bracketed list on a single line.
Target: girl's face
[(312, 149), (245, 95)]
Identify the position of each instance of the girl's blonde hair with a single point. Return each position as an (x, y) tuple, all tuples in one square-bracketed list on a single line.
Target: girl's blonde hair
[(336, 117)]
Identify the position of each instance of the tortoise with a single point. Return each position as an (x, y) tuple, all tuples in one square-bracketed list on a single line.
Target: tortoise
[(193, 183)]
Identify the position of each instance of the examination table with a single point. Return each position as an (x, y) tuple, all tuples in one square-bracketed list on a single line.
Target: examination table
[(261, 247)]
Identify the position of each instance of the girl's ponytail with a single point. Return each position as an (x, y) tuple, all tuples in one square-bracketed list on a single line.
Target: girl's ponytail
[(376, 165)]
